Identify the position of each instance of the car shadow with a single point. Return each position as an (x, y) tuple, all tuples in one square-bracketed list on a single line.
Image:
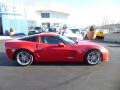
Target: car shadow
[(4, 61), (59, 64)]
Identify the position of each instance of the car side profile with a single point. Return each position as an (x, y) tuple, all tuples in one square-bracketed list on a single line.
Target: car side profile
[(52, 47)]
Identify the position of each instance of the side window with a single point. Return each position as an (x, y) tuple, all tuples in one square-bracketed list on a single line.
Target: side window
[(50, 39), (31, 39)]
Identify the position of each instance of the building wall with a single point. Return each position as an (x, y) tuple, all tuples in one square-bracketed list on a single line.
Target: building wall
[(58, 15), (18, 25), (13, 17), (56, 18)]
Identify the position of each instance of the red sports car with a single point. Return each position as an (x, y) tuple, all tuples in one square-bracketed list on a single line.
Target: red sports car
[(52, 47)]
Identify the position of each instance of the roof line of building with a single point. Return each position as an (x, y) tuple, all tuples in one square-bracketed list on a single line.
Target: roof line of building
[(52, 11)]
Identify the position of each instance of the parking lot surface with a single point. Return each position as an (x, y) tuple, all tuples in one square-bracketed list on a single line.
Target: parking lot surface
[(62, 76)]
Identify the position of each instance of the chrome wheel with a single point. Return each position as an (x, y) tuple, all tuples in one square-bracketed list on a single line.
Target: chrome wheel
[(94, 57), (24, 58)]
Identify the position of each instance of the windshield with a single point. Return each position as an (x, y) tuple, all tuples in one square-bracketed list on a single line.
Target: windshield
[(67, 40)]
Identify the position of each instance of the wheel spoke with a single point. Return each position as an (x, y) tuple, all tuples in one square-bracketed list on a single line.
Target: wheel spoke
[(22, 54)]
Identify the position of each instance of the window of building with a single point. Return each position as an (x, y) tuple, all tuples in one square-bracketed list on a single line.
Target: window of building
[(45, 15)]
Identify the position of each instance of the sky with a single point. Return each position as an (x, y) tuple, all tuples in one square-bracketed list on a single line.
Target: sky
[(82, 12), (97, 12)]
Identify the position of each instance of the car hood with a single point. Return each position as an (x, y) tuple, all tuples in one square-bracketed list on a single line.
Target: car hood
[(86, 43)]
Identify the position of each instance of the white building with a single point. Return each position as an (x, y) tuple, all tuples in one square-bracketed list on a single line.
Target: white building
[(46, 18), (52, 18)]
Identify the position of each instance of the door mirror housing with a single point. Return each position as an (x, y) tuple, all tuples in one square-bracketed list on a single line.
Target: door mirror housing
[(61, 44)]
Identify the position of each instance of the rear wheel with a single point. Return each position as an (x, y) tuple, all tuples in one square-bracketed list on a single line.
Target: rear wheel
[(93, 57), (24, 57)]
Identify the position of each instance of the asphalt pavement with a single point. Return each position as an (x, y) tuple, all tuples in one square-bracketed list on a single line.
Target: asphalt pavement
[(62, 76)]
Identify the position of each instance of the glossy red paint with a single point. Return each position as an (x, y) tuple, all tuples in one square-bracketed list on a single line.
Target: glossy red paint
[(44, 52)]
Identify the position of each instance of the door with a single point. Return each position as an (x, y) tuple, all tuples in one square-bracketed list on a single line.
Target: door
[(50, 50)]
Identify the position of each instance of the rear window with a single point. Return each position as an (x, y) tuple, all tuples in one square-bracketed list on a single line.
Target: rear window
[(31, 39)]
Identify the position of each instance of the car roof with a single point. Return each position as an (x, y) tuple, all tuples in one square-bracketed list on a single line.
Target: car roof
[(47, 34), (42, 34)]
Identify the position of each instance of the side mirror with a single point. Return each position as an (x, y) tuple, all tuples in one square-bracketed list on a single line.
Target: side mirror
[(61, 44), (76, 42)]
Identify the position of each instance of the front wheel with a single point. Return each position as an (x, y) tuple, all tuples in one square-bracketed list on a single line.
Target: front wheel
[(93, 57), (24, 57)]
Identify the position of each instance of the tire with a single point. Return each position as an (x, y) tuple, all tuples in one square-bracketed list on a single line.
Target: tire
[(24, 57), (93, 57)]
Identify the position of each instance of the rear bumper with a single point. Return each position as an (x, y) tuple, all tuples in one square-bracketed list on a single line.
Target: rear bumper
[(9, 53)]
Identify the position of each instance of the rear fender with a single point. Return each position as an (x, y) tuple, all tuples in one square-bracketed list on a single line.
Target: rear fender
[(30, 49)]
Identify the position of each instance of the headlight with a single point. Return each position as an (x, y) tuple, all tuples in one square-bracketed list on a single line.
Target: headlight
[(103, 49)]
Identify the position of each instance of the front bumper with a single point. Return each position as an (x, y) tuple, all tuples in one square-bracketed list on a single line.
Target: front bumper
[(105, 54)]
